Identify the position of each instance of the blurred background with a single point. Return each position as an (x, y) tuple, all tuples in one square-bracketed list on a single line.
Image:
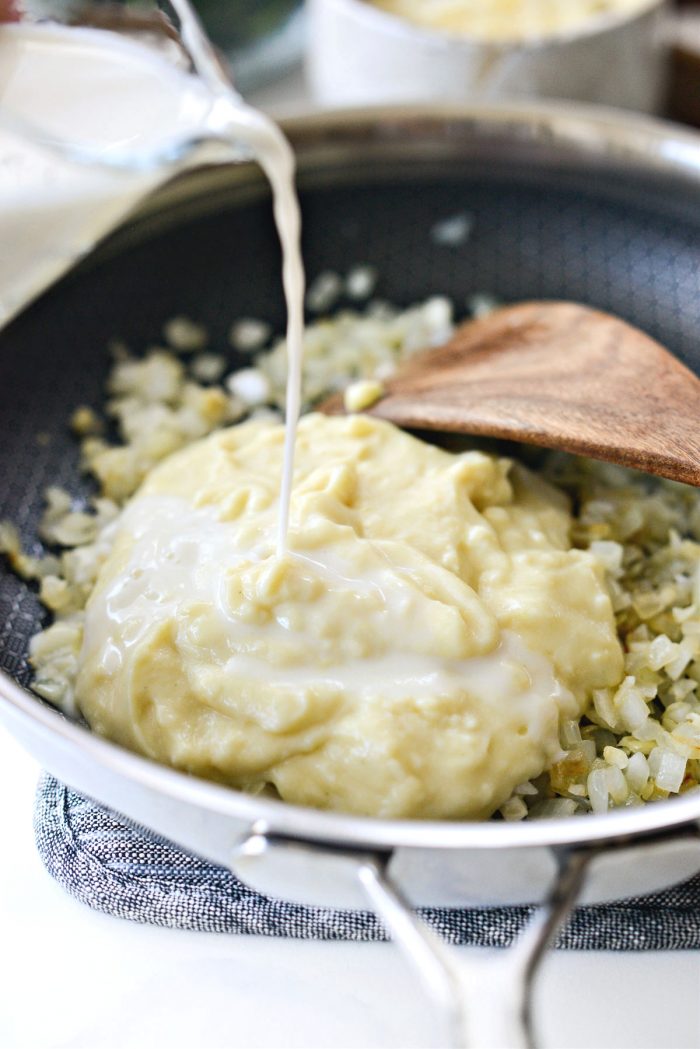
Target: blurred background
[(338, 52), (264, 39)]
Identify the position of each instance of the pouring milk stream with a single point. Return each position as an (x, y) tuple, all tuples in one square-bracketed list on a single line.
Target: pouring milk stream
[(120, 103)]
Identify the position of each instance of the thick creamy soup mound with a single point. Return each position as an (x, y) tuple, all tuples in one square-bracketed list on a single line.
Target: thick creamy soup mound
[(411, 655)]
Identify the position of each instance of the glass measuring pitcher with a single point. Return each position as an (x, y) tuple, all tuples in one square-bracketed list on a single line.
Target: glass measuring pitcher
[(99, 104)]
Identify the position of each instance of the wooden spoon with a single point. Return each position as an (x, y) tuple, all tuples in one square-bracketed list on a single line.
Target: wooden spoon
[(559, 375)]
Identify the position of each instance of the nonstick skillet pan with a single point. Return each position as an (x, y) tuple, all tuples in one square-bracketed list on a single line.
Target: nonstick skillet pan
[(565, 204)]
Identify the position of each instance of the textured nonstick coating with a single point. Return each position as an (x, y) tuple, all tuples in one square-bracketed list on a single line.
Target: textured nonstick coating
[(552, 240)]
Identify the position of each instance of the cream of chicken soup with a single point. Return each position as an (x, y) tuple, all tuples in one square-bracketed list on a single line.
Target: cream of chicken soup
[(410, 654)]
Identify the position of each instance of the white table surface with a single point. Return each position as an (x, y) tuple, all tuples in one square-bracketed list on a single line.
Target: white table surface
[(74, 978)]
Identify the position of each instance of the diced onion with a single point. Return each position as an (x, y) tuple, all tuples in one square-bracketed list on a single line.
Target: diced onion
[(637, 772), (667, 768), (631, 706), (570, 733), (615, 756), (598, 790), (514, 809), (617, 785)]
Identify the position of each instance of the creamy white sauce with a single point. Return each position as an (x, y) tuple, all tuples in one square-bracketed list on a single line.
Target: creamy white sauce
[(396, 660), (276, 158), (178, 561)]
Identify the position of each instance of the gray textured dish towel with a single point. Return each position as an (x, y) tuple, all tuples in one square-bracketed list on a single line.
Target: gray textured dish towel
[(116, 867)]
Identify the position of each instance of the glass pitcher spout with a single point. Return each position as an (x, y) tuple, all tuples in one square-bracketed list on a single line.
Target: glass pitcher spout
[(92, 120)]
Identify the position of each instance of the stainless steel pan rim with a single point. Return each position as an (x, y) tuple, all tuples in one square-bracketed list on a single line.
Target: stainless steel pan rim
[(278, 817), (567, 130)]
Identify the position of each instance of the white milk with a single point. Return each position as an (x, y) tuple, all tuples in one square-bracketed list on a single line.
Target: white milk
[(275, 156), (178, 562), (120, 102), (87, 86)]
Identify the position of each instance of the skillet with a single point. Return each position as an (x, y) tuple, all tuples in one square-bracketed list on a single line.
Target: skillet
[(566, 204)]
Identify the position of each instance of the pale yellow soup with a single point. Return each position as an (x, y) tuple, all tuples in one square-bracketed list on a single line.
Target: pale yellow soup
[(506, 19), (410, 656)]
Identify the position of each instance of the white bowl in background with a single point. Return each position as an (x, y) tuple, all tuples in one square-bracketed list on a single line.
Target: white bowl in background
[(359, 54)]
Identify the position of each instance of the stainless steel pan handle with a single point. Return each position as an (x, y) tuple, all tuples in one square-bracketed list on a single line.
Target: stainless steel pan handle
[(487, 1003), (484, 1003)]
